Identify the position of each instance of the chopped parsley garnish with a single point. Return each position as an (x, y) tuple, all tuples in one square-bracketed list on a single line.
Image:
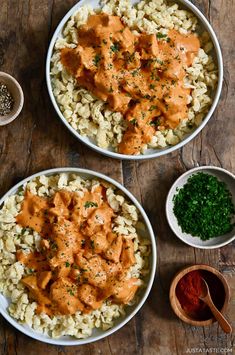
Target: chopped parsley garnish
[(96, 60), (147, 97), (67, 264), (89, 204), (204, 207), (160, 35), (134, 122), (155, 123), (115, 47), (135, 72), (152, 107), (154, 77), (83, 270), (70, 292), (54, 246)]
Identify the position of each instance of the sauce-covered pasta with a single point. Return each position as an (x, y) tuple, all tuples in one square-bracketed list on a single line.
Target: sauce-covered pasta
[(81, 262), (139, 75)]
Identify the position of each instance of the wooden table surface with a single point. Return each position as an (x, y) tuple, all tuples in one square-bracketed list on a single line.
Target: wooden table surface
[(37, 140)]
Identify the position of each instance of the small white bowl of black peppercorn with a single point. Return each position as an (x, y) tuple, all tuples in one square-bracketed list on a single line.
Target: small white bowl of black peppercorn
[(11, 98), (200, 207)]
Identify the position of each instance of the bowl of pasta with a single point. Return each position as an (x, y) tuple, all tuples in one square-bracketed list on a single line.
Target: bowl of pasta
[(77, 256), (134, 80)]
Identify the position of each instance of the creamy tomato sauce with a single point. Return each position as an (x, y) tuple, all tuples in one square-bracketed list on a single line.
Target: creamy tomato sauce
[(140, 76), (82, 262)]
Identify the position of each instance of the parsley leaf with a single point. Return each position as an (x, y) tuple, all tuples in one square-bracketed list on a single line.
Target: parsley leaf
[(89, 204)]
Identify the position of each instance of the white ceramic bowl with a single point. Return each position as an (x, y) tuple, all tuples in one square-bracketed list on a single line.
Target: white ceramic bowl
[(18, 97), (150, 153), (130, 311), (222, 175)]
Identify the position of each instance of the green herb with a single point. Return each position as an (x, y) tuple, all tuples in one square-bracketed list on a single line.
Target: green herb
[(83, 270), (147, 97), (204, 207), (152, 107), (71, 292), (96, 60), (154, 77), (155, 123), (135, 72), (134, 122), (160, 35), (89, 204), (67, 264), (54, 246), (115, 47)]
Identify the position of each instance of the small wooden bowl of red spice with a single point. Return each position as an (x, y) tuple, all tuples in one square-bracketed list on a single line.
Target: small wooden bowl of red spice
[(186, 288)]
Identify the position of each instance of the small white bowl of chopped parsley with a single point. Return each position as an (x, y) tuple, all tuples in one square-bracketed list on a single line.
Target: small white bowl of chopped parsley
[(200, 207)]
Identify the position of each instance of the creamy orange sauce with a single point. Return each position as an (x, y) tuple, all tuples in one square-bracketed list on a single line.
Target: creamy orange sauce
[(140, 76), (82, 262)]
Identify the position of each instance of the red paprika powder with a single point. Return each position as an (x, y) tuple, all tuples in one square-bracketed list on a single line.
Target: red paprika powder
[(189, 288), (188, 291)]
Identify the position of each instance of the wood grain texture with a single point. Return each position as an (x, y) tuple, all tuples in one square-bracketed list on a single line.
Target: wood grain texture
[(37, 140)]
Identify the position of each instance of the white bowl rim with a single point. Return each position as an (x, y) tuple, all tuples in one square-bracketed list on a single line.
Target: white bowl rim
[(35, 335), (190, 172), (19, 88), (115, 155)]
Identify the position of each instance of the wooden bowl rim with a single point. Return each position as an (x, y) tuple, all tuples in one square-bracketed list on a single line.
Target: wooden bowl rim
[(175, 304)]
